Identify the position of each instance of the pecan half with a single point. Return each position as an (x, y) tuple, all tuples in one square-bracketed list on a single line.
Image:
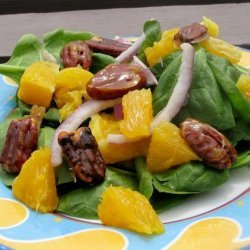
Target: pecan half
[(107, 46), (208, 143), (20, 142), (82, 153), (193, 33)]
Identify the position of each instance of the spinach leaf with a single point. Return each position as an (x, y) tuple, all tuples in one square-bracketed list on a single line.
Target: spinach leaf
[(162, 201), (45, 137), (192, 177), (52, 115), (158, 68), (240, 132), (152, 30), (206, 101), (28, 50), (24, 107), (4, 125), (145, 177), (243, 160), (64, 174), (55, 40), (83, 202), (239, 102), (100, 61), (166, 84), (6, 178)]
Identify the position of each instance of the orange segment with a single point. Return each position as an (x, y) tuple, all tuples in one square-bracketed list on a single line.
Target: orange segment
[(138, 113), (121, 207), (103, 125), (212, 27), (162, 48), (223, 49), (35, 185), (243, 85), (38, 83), (168, 148)]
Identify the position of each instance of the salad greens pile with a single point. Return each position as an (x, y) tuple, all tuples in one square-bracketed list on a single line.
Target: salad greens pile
[(213, 98)]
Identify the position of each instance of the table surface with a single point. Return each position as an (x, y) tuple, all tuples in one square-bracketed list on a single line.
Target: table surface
[(233, 20)]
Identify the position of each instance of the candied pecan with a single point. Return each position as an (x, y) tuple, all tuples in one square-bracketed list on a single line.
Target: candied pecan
[(107, 46), (82, 153), (20, 142), (115, 80), (208, 143), (193, 33), (76, 53)]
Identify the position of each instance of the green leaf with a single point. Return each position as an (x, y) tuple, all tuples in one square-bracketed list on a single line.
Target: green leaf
[(166, 84), (206, 101), (4, 125), (158, 68), (100, 61), (239, 102), (243, 160), (28, 50), (45, 137), (83, 202), (24, 107), (64, 174), (192, 177), (55, 40), (145, 177), (52, 115), (152, 30), (6, 178)]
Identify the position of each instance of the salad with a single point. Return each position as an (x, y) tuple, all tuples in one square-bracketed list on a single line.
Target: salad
[(119, 131)]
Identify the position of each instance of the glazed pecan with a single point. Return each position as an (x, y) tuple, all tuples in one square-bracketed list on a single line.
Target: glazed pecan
[(81, 151), (76, 53), (191, 34), (20, 142), (208, 143), (107, 46)]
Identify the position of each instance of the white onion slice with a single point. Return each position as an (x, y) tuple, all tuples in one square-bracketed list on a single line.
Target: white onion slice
[(150, 78), (82, 113), (132, 50), (120, 139), (180, 92)]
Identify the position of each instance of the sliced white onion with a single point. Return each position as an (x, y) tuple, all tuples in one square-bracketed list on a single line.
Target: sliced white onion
[(150, 78), (82, 113), (120, 139), (132, 50), (180, 92)]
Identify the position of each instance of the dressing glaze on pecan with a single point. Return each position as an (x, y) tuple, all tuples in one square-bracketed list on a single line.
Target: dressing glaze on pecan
[(20, 142), (192, 34), (82, 153), (208, 143), (107, 46)]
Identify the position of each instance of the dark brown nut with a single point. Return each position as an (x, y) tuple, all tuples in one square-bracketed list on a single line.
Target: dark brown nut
[(76, 53), (82, 153), (115, 80), (21, 141), (193, 33), (208, 143), (107, 46)]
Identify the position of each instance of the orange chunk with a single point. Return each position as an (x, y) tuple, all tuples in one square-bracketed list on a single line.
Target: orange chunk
[(243, 85), (38, 83), (162, 48), (121, 207), (212, 27), (167, 148), (223, 49), (35, 186), (138, 113), (103, 125)]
